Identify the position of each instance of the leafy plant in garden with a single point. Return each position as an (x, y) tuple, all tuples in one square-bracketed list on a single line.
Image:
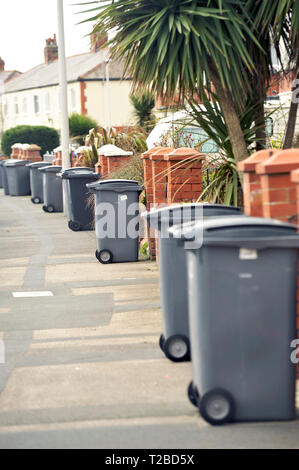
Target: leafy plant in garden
[(80, 126), (133, 141), (130, 171), (144, 104)]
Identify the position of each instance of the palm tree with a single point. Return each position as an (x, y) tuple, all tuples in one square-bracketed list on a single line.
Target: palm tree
[(180, 46), (144, 104), (175, 47)]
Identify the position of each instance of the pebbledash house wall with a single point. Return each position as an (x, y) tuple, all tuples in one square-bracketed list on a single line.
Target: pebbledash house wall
[(85, 97), (48, 114)]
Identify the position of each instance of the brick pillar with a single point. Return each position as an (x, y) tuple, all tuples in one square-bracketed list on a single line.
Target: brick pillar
[(159, 175), (184, 175), (149, 194), (253, 205), (278, 191), (57, 158), (15, 151), (32, 153), (102, 165)]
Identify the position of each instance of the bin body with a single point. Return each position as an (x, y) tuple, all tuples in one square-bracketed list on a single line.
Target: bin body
[(36, 181), (116, 229), (173, 264), (80, 215), (242, 308), (66, 186), (18, 177), (4, 178), (52, 189)]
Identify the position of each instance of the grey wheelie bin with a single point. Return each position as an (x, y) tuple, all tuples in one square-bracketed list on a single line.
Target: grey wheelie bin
[(79, 212), (66, 186), (117, 220), (52, 189), (18, 177), (174, 340), (4, 182), (242, 311), (36, 181), (1, 173)]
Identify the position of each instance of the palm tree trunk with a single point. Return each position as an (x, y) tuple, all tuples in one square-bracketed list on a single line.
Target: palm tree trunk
[(232, 120), (291, 125)]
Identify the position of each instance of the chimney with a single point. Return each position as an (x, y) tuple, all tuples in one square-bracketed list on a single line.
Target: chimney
[(2, 65), (97, 41), (51, 50)]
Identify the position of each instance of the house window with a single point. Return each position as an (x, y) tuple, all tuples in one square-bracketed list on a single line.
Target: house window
[(36, 104), (25, 106), (16, 105), (73, 99), (47, 103)]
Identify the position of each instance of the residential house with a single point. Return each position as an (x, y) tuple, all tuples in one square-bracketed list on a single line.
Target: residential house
[(5, 76), (96, 87)]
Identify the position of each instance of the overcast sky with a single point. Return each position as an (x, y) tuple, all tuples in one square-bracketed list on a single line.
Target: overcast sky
[(26, 24)]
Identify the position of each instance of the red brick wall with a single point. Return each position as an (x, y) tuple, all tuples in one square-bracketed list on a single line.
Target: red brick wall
[(171, 176)]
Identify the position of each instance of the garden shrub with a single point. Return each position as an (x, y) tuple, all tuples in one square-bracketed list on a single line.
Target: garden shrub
[(46, 137)]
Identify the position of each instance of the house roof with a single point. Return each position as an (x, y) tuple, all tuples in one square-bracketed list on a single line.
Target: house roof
[(88, 66), (6, 75)]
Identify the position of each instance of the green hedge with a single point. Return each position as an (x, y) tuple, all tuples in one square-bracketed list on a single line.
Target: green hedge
[(46, 137), (80, 125)]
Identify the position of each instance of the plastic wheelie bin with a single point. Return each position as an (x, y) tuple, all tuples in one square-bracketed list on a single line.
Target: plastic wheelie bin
[(18, 177), (117, 220), (52, 189), (65, 185), (79, 212), (36, 181), (3, 178), (242, 311), (174, 340)]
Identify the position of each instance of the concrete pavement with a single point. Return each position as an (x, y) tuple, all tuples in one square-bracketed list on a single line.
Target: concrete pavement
[(82, 367)]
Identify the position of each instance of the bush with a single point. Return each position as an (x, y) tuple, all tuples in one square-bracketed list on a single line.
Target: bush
[(46, 137), (133, 170), (80, 125)]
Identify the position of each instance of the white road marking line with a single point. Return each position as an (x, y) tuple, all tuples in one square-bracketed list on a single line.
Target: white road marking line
[(32, 294)]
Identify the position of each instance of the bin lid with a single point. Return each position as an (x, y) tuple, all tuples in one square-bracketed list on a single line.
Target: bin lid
[(247, 232), (2, 162), (37, 164), (13, 162), (50, 169), (178, 213), (79, 168), (115, 185), (80, 174)]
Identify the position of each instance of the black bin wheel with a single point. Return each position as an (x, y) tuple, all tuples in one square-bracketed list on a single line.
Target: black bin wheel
[(35, 200), (104, 256), (74, 226), (177, 348), (217, 407), (193, 394), (161, 342), (49, 209)]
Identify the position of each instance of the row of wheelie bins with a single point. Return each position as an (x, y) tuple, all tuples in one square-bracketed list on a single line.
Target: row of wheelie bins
[(228, 295), (228, 288)]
